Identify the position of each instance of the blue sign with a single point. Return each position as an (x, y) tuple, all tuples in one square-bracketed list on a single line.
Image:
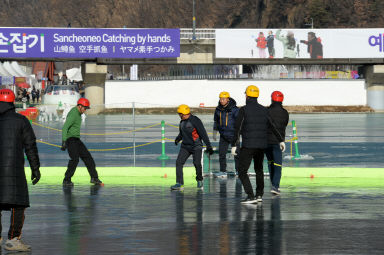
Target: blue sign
[(89, 43), (7, 80)]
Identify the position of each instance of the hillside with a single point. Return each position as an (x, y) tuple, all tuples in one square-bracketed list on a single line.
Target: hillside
[(178, 13)]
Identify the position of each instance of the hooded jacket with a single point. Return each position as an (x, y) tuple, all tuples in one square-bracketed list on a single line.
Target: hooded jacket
[(261, 42), (253, 124), (289, 50), (16, 137), (225, 118), (280, 118)]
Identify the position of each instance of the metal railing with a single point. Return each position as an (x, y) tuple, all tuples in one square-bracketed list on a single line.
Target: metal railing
[(190, 77), (201, 33)]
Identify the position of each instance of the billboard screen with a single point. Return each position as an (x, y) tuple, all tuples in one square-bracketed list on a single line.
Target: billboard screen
[(300, 43), (89, 43)]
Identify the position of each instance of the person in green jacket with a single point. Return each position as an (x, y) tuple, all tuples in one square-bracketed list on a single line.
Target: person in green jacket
[(76, 148), (289, 43)]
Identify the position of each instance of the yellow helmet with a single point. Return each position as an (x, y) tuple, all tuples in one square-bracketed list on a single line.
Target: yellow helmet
[(183, 109), (252, 91), (224, 94)]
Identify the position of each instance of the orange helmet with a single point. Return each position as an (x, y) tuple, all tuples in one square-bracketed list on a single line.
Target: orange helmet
[(7, 95), (84, 102)]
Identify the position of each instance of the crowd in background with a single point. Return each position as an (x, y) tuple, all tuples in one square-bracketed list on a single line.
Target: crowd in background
[(29, 95)]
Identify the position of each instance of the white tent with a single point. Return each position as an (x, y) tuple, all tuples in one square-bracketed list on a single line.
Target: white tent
[(13, 69), (21, 73), (3, 71), (7, 66)]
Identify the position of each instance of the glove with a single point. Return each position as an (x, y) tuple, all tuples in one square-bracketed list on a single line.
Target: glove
[(302, 41), (63, 146), (177, 141), (35, 177), (210, 150), (282, 146), (233, 151), (214, 135)]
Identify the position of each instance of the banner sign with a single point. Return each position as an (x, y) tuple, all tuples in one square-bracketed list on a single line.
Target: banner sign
[(300, 43), (20, 80), (7, 80), (89, 43)]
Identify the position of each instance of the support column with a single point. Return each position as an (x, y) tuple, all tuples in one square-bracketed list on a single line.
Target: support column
[(94, 78), (374, 77), (195, 52)]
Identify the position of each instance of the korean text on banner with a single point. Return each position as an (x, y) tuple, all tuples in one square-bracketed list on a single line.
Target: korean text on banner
[(89, 43)]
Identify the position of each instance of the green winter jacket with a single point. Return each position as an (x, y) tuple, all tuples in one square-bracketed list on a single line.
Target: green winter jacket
[(72, 124), (288, 52)]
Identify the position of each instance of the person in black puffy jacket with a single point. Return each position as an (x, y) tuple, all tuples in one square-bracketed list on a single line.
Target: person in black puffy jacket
[(16, 137), (253, 123), (315, 46), (224, 122), (273, 152), (193, 133)]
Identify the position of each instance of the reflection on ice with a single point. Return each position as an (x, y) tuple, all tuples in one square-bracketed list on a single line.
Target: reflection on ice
[(302, 157)]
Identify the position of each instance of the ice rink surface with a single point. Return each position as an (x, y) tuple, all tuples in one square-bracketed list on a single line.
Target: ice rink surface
[(133, 219), (151, 219)]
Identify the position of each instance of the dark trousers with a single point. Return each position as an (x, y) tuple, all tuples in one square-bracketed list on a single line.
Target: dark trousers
[(275, 160), (184, 154), (271, 51), (246, 156), (224, 143), (76, 150), (17, 222)]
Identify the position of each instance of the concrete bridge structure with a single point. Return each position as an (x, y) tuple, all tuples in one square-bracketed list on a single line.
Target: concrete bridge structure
[(201, 50)]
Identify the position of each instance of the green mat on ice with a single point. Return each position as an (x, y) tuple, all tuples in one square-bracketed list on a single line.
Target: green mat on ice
[(292, 176)]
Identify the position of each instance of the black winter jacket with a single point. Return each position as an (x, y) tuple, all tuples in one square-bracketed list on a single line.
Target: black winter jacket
[(253, 123), (270, 41), (280, 118), (16, 136), (192, 132), (315, 48), (225, 118)]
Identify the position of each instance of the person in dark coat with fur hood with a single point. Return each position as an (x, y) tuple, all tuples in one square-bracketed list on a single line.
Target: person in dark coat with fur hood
[(224, 123), (16, 137)]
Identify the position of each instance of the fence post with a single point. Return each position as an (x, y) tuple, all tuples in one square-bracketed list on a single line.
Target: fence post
[(297, 154), (134, 134), (163, 156), (206, 163)]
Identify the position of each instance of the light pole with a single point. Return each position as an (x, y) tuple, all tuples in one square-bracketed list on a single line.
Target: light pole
[(193, 22), (122, 66), (310, 24)]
